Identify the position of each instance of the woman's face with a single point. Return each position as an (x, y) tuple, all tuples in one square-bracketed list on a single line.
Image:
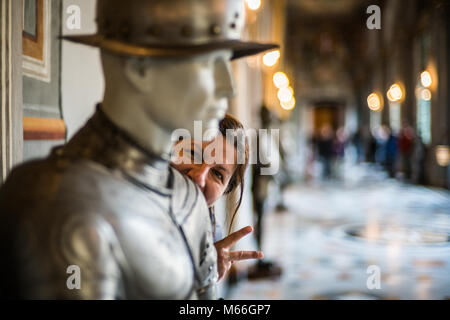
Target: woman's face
[(214, 169)]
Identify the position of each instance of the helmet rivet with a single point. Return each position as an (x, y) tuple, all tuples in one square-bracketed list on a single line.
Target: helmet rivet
[(107, 28), (215, 29), (186, 31), (233, 25), (155, 31), (236, 15), (124, 30)]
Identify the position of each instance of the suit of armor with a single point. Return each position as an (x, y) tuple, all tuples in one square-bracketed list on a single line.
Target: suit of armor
[(135, 227), (104, 212)]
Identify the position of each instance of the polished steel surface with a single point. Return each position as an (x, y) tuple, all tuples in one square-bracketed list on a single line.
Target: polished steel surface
[(135, 227), (168, 28)]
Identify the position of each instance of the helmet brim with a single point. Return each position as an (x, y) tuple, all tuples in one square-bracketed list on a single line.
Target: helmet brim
[(240, 48)]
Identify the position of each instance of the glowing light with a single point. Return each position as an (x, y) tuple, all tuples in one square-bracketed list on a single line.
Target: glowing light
[(374, 102), (443, 155), (271, 58), (395, 93), (425, 94), (254, 4), (280, 80), (425, 79), (288, 105), (285, 94)]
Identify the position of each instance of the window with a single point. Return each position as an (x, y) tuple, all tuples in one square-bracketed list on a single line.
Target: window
[(395, 116), (423, 116)]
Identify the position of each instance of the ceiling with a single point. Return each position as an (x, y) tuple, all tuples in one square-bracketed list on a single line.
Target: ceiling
[(327, 7), (322, 40)]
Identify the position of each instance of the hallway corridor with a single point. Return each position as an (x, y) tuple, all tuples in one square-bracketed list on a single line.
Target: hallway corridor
[(334, 231)]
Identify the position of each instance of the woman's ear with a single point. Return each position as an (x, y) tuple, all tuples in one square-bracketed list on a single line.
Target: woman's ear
[(138, 73)]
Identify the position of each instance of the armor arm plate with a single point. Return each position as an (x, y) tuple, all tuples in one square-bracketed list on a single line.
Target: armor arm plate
[(92, 252)]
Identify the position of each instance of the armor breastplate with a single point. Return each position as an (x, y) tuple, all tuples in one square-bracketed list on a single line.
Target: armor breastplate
[(135, 228)]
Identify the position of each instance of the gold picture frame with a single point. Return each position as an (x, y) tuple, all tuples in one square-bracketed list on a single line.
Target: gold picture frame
[(36, 48)]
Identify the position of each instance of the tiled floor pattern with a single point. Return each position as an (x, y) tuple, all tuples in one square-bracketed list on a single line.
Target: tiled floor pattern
[(334, 231)]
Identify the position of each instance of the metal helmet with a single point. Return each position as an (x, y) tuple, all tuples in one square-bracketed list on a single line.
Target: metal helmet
[(170, 28)]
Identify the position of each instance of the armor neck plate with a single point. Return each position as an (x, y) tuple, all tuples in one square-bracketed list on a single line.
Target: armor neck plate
[(102, 141)]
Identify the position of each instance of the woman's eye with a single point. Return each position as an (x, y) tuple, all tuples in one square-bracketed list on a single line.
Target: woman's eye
[(218, 175)]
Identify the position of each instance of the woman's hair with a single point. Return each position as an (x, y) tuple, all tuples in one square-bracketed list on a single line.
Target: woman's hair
[(240, 143)]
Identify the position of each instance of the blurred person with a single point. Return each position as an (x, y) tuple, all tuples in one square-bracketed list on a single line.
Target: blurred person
[(311, 157), (391, 153), (282, 177), (406, 148), (381, 135), (371, 146), (260, 191), (325, 149), (358, 142), (339, 144), (418, 161), (217, 179)]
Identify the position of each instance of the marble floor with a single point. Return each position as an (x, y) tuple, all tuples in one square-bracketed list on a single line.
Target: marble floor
[(363, 237)]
